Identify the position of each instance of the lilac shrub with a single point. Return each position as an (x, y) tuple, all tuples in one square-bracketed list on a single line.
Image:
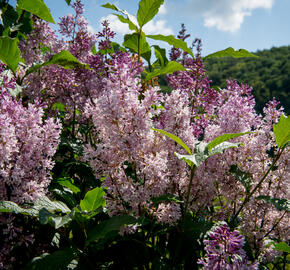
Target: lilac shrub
[(140, 165), (137, 165)]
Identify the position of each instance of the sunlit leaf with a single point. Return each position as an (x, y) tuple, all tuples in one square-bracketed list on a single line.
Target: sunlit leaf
[(63, 58), (282, 246), (201, 152), (130, 17), (282, 131), (94, 50), (93, 200), (220, 148), (36, 7), (171, 67), (174, 138), (147, 10), (66, 182), (131, 42), (122, 19), (53, 206), (9, 52), (231, 52), (11, 207), (171, 40), (223, 138)]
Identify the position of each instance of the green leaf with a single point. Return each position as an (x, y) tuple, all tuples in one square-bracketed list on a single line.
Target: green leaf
[(8, 16), (130, 17), (122, 19), (171, 67), (166, 198), (131, 42), (200, 155), (282, 246), (9, 52), (93, 200), (65, 195), (106, 228), (26, 25), (177, 43), (223, 138), (11, 207), (174, 138), (94, 50), (58, 260), (67, 182), (36, 7), (111, 6), (117, 47), (147, 10), (220, 148), (231, 52), (245, 178), (66, 60), (53, 206), (147, 56), (160, 54), (68, 2), (279, 204), (201, 152), (73, 145), (58, 106), (282, 131), (55, 220), (63, 58)]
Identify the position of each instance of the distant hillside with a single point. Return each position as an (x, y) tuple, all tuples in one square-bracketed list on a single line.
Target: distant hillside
[(269, 75)]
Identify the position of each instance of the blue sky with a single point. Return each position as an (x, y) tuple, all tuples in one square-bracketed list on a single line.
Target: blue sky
[(249, 24)]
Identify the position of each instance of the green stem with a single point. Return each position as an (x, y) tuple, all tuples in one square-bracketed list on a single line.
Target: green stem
[(139, 38), (258, 185), (193, 168)]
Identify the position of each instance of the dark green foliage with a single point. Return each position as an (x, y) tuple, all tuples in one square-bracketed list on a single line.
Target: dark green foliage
[(269, 74)]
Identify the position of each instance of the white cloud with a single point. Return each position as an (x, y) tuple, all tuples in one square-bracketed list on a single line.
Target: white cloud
[(157, 27), (153, 27), (227, 15), (162, 10), (91, 29)]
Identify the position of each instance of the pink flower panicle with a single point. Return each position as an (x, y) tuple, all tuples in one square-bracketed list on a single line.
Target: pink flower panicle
[(27, 145)]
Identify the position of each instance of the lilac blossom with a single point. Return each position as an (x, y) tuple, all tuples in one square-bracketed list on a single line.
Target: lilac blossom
[(224, 251), (27, 145)]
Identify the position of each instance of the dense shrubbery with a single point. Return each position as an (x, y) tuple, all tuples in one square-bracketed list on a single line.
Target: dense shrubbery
[(101, 170)]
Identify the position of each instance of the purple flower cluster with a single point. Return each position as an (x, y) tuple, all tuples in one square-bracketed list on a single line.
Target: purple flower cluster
[(224, 251), (27, 145), (53, 83)]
